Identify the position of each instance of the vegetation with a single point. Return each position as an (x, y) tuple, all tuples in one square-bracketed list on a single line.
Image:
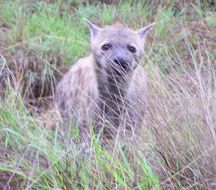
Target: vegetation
[(40, 40)]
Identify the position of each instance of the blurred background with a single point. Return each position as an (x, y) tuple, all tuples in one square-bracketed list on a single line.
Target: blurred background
[(40, 40)]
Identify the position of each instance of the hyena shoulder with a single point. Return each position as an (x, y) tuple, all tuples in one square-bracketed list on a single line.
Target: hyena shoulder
[(78, 87), (139, 84), (136, 95)]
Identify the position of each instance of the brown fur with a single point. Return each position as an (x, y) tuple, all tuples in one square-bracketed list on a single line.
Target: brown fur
[(92, 91)]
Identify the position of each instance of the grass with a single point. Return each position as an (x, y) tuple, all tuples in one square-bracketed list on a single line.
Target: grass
[(40, 40)]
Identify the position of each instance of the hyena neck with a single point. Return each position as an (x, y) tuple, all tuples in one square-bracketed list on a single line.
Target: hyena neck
[(111, 87), (112, 92)]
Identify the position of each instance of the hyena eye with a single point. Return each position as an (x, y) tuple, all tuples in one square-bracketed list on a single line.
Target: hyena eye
[(132, 49), (106, 47)]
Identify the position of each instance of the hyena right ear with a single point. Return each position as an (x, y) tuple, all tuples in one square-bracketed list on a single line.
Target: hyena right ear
[(142, 32), (94, 29)]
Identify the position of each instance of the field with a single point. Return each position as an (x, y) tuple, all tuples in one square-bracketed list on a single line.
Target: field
[(40, 40)]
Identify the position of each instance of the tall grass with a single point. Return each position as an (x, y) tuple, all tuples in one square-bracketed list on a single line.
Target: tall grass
[(176, 147)]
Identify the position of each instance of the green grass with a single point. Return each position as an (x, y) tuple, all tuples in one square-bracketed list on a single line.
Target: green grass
[(39, 156), (39, 41), (46, 29)]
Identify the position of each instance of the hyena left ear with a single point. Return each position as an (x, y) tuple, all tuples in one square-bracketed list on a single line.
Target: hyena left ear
[(94, 29), (142, 32)]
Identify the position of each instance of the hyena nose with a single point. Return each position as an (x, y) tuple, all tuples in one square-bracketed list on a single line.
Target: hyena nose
[(122, 62)]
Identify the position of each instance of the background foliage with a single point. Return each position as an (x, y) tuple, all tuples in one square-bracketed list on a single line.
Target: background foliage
[(40, 40)]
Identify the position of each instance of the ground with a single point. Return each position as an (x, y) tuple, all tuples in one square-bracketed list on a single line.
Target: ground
[(40, 40)]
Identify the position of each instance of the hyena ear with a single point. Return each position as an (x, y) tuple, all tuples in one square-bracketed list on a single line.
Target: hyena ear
[(94, 29), (142, 32)]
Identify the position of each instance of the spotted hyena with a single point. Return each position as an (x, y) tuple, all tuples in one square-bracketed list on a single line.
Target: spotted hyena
[(107, 88)]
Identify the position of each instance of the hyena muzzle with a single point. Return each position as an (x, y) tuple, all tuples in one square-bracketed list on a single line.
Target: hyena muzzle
[(107, 88)]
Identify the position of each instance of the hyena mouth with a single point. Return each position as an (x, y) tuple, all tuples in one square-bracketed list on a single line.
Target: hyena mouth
[(122, 63), (119, 71)]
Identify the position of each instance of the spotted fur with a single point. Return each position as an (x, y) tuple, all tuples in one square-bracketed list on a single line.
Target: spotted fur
[(109, 86)]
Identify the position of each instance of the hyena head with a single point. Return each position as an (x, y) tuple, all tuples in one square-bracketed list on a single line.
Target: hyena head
[(117, 49)]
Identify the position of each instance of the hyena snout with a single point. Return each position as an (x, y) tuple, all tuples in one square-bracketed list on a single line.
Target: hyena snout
[(122, 62)]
